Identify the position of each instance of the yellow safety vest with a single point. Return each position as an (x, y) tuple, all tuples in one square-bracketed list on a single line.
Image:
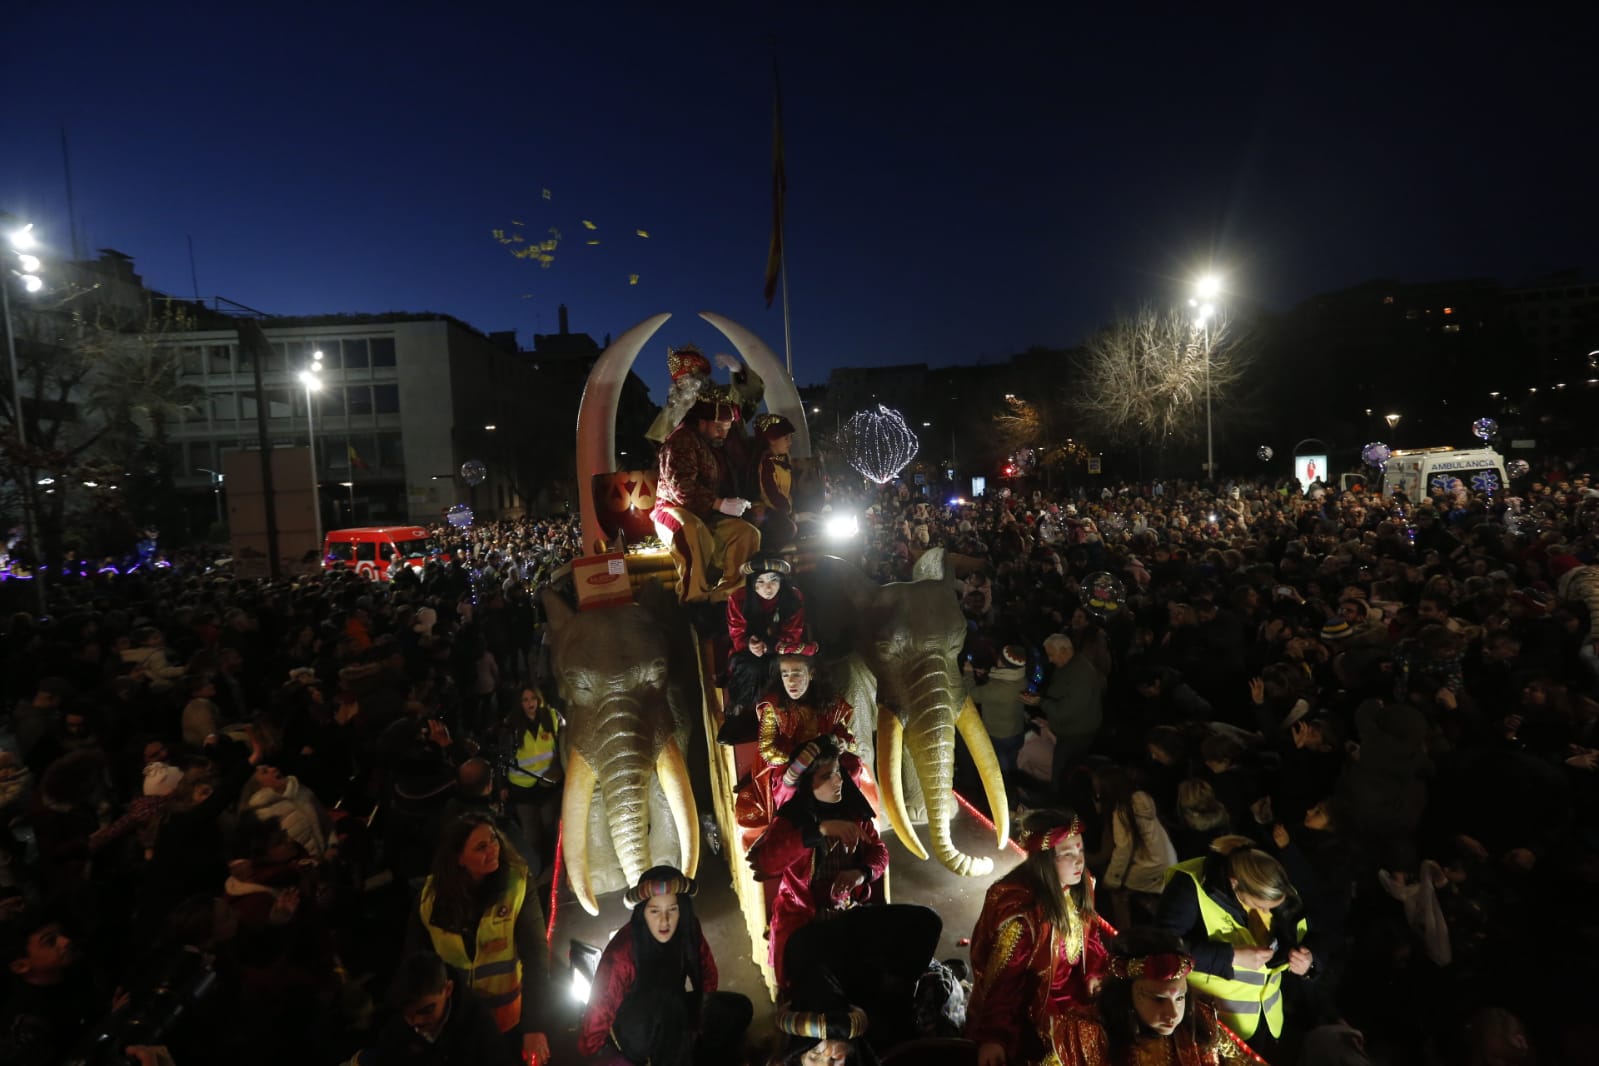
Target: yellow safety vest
[(494, 972), (1251, 991), (534, 762)]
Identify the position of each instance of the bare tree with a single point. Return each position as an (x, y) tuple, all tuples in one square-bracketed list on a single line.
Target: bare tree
[(1144, 378)]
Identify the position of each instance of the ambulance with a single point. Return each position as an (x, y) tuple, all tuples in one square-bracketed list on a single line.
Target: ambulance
[(1416, 472)]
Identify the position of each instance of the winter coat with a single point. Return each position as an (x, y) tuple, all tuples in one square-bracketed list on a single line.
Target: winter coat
[(999, 700), (1140, 866), (297, 811)]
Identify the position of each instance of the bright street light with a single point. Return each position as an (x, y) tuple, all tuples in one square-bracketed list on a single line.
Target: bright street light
[(32, 282), (30, 263), (23, 239), (1208, 287), (310, 381), (1205, 311), (1392, 420)]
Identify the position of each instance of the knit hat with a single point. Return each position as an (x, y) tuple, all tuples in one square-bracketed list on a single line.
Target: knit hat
[(1337, 629), (1014, 654), (661, 881), (686, 360), (772, 427)]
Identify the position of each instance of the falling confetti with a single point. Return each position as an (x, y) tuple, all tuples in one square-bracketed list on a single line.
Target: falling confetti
[(591, 243), (517, 222), (642, 232), (546, 193), (589, 225), (632, 279)]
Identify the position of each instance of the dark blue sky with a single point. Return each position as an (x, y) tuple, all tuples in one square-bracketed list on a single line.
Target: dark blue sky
[(960, 186)]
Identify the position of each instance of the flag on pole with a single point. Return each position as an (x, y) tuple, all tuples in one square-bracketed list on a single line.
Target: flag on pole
[(356, 462), (774, 254)]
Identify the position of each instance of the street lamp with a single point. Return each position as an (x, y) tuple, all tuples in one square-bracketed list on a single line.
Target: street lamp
[(312, 380), (1393, 421), (1206, 289), (216, 487), (27, 268)]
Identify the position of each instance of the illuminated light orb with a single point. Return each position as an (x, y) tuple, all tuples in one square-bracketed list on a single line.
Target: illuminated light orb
[(1518, 468), (1376, 453), (1484, 428), (1103, 594), (459, 516), (473, 472), (878, 443), (1264, 453)]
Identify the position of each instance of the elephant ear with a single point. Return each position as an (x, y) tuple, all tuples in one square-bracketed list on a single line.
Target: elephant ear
[(930, 567), (557, 610)]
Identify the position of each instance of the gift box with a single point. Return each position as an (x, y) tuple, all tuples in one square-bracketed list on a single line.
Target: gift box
[(601, 581)]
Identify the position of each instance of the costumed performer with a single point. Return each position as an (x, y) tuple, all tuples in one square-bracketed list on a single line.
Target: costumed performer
[(1037, 950), (821, 1027), (691, 382), (822, 849), (773, 482), (766, 613), (697, 509), (796, 712), (654, 998)]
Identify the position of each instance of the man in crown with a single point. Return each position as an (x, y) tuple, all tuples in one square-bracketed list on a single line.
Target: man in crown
[(698, 512), (691, 383)]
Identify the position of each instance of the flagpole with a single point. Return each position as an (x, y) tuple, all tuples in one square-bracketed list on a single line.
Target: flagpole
[(788, 342)]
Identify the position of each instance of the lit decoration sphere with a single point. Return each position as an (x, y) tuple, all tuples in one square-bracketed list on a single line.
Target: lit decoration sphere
[(1265, 453), (878, 443), (459, 516), (1103, 594), (1484, 428), (1376, 453), (1518, 468), (1024, 460), (473, 472)]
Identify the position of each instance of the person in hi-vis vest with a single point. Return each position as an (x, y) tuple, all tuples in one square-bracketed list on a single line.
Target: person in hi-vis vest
[(1245, 924)]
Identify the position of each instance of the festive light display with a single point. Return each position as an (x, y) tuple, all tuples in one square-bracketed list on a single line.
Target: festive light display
[(878, 443), (459, 516), (1103, 594), (1376, 454), (1518, 468), (1265, 453), (473, 472), (1484, 428)]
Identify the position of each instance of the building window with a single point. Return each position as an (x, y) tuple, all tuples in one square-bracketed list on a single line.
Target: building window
[(359, 398), (330, 403), (191, 360), (330, 353), (386, 399), (383, 351), (224, 407), (355, 354), (391, 451), (219, 358)]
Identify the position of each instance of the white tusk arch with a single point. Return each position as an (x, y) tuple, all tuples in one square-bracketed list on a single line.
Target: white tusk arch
[(782, 398), (596, 417)]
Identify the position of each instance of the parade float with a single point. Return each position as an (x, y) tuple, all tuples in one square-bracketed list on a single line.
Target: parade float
[(638, 678)]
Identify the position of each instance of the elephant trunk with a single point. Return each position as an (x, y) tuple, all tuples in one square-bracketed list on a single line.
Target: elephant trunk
[(933, 697), (625, 771)]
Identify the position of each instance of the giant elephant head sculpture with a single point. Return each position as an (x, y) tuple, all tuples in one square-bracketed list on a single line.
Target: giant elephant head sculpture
[(628, 723), (909, 636)]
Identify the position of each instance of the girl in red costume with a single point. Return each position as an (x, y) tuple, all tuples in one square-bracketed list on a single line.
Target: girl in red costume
[(799, 711), (1037, 952), (822, 847), (767, 612), (654, 996)]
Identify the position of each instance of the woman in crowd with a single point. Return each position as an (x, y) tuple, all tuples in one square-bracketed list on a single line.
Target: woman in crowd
[(1245, 924), (1141, 850), (534, 775), (1037, 949), (654, 997), (767, 612), (1201, 818), (822, 849), (479, 912), (774, 480)]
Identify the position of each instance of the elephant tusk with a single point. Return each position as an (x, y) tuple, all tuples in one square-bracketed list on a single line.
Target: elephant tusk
[(673, 772), (890, 783), (970, 726), (575, 802)]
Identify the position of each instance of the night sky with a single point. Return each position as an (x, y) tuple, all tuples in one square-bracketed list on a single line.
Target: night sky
[(960, 186)]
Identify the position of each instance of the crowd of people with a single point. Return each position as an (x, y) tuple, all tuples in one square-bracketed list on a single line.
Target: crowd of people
[(1324, 762)]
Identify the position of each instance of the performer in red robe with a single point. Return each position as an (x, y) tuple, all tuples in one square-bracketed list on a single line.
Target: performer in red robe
[(768, 612), (1037, 950), (1147, 1014), (821, 847)]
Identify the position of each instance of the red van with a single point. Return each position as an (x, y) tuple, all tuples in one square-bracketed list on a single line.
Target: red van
[(371, 550)]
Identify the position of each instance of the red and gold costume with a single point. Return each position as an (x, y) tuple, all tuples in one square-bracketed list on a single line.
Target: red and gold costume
[(1026, 973), (1077, 1037), (787, 725), (693, 476), (613, 979), (804, 862), (746, 614)]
